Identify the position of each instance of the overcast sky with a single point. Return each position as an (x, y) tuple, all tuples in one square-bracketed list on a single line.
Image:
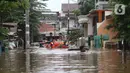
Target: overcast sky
[(55, 5)]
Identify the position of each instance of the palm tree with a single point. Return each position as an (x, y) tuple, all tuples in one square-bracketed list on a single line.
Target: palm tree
[(35, 15), (86, 6)]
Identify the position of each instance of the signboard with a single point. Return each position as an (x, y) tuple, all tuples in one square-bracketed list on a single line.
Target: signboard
[(119, 9)]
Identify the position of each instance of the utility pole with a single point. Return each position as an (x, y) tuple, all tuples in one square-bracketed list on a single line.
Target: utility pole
[(68, 15), (27, 39), (27, 33)]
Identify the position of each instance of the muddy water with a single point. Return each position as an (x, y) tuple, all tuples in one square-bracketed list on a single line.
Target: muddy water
[(63, 61)]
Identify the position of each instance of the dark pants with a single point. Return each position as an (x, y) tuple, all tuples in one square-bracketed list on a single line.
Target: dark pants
[(82, 49)]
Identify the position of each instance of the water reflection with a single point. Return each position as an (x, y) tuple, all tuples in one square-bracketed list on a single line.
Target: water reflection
[(124, 55), (12, 62), (113, 62), (107, 61)]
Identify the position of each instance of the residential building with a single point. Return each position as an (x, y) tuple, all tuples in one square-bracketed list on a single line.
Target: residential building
[(50, 17), (68, 18), (12, 27), (49, 24), (102, 4), (46, 31), (97, 21)]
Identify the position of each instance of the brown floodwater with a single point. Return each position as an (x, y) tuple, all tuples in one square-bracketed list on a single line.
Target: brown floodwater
[(62, 61)]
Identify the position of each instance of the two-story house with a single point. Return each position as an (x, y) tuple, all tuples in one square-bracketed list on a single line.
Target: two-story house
[(98, 19)]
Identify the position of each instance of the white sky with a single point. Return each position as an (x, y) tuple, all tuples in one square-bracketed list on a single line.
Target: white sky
[(55, 5)]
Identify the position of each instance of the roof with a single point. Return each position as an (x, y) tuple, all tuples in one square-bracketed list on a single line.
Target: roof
[(94, 12), (10, 24), (53, 33), (46, 27), (12, 28), (72, 7)]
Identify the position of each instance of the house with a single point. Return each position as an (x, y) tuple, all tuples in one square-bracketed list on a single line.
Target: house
[(12, 27), (102, 4), (47, 30), (96, 21), (51, 17), (50, 24), (68, 18), (8, 34)]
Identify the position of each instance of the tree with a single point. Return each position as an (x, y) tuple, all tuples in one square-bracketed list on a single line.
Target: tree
[(3, 33), (122, 22), (86, 6), (75, 33), (36, 9), (8, 8), (18, 15)]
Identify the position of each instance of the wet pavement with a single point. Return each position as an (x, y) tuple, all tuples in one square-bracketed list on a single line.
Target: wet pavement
[(62, 61)]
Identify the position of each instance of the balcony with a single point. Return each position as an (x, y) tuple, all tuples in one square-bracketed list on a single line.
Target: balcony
[(102, 4), (82, 19)]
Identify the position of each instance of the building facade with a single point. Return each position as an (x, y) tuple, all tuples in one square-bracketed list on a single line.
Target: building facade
[(68, 18), (50, 24), (97, 21)]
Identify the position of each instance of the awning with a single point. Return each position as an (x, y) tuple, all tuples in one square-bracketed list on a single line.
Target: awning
[(11, 33), (83, 20), (9, 24)]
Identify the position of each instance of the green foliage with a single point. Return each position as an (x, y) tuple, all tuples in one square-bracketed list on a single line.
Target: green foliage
[(3, 33), (86, 6), (74, 35), (7, 6), (122, 22), (11, 11), (35, 15), (76, 12)]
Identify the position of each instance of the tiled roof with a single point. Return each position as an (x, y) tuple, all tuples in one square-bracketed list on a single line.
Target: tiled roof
[(46, 27)]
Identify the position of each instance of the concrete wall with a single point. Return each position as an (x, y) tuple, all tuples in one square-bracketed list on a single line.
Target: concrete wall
[(71, 23), (90, 26), (101, 27), (103, 31), (85, 30)]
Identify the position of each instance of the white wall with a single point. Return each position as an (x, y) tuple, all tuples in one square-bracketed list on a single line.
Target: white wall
[(90, 26), (108, 13), (85, 30), (71, 23)]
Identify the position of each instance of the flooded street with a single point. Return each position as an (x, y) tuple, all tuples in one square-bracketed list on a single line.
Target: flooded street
[(62, 61)]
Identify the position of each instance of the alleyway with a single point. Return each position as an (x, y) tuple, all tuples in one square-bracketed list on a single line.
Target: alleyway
[(62, 61)]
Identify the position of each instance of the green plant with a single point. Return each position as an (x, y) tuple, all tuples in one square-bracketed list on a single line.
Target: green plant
[(3, 33), (122, 22)]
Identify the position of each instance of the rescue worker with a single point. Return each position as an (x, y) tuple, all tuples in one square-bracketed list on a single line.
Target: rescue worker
[(51, 45)]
